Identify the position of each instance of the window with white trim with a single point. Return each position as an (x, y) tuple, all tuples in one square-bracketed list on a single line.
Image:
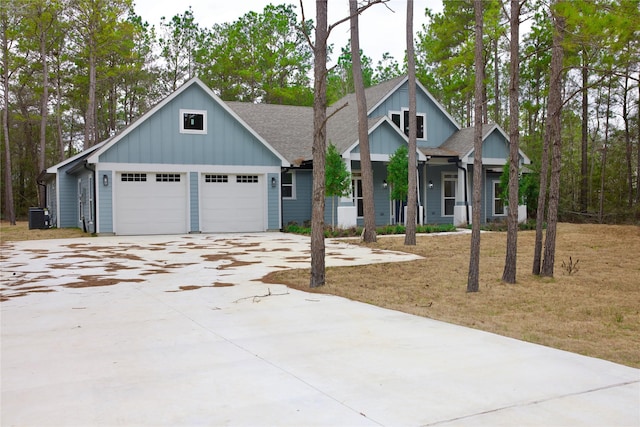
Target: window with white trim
[(193, 121), (288, 181), (246, 178), (449, 186), (401, 119), (356, 191), (498, 203)]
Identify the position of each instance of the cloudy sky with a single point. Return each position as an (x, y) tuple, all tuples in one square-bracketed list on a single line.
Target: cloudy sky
[(382, 29)]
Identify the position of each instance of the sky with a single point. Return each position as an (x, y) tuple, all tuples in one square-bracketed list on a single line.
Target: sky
[(382, 28)]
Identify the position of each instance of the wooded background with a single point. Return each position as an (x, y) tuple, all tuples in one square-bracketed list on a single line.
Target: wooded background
[(75, 72)]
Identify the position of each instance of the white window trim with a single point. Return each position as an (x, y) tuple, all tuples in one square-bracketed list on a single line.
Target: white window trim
[(455, 180), (356, 176), (496, 197), (402, 124), (193, 131), (292, 185)]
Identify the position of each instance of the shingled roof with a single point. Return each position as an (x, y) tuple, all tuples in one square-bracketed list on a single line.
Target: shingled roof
[(289, 129), (460, 143)]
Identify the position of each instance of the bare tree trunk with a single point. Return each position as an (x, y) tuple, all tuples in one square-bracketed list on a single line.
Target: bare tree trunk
[(555, 110), (59, 110), (584, 163), (509, 273), (604, 156), (627, 138), (638, 148), (10, 212), (44, 100), (363, 129), (90, 115), (496, 77), (473, 281), (319, 149), (412, 191)]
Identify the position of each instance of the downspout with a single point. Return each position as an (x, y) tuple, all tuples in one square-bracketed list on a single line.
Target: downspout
[(466, 184), (85, 164)]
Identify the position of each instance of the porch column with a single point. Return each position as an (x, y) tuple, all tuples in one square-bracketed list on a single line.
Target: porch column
[(462, 209), (347, 211)]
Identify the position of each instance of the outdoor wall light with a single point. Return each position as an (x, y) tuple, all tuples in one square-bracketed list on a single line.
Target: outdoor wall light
[(384, 184), (274, 182), (430, 184), (105, 180)]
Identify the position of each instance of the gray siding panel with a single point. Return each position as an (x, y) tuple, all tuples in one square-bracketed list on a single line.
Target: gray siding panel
[(105, 195), (68, 197), (194, 207), (158, 139), (495, 146), (434, 195), (384, 140), (298, 210)]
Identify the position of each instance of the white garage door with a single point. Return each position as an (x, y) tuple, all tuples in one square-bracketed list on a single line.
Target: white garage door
[(232, 203), (151, 203)]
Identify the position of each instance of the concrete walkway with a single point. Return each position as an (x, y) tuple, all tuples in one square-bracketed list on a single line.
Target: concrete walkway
[(179, 331)]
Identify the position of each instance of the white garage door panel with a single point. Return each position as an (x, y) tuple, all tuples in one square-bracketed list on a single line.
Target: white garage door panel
[(151, 207), (232, 206)]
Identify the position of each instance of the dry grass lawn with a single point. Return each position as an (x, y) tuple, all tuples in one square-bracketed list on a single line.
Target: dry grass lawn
[(20, 231), (594, 311)]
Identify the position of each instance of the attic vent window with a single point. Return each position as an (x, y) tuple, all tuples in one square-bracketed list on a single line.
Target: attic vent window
[(193, 121)]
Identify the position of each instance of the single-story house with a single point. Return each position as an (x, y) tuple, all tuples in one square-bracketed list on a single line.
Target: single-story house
[(195, 163)]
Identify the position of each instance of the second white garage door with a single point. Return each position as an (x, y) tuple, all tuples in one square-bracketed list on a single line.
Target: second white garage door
[(232, 203)]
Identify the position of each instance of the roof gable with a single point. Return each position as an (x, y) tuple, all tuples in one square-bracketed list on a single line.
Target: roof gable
[(152, 126), (495, 145)]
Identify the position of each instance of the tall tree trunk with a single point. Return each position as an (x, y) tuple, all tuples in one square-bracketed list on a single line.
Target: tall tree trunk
[(584, 164), (44, 109), (638, 148), (412, 191), (496, 77), (604, 156), (509, 273), (627, 138), (319, 148), (59, 109), (473, 280), (10, 212), (90, 115), (555, 137), (363, 129)]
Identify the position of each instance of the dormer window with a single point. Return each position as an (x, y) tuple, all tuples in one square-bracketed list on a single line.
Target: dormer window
[(193, 121), (401, 119)]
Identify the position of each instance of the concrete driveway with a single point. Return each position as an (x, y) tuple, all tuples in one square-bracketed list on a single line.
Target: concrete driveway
[(180, 331)]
